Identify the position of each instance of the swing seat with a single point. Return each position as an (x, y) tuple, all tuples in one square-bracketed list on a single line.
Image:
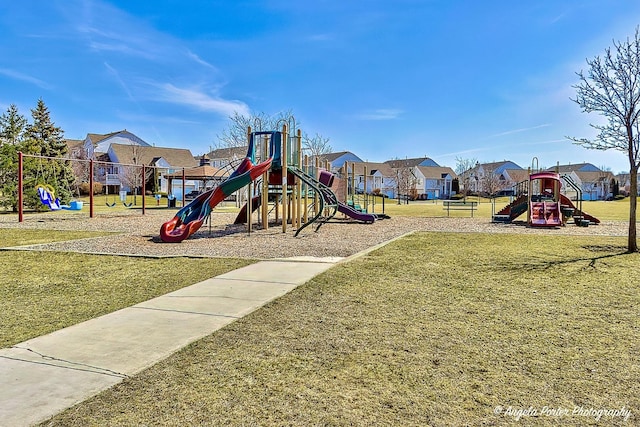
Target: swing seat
[(47, 197), (127, 205), (74, 206), (110, 205)]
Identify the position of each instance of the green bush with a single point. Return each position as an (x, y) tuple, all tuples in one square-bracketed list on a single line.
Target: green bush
[(84, 188)]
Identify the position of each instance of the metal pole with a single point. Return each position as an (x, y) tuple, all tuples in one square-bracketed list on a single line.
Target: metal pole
[(249, 204), (305, 214), (284, 156), (20, 170), (183, 186), (265, 184), (299, 182), (144, 188), (90, 188)]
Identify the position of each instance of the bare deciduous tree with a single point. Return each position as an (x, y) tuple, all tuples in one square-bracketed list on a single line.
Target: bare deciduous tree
[(406, 180), (611, 87), (463, 168), (490, 182), (235, 134), (316, 146)]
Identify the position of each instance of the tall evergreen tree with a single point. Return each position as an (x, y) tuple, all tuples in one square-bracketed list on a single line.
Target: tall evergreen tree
[(12, 128), (44, 138)]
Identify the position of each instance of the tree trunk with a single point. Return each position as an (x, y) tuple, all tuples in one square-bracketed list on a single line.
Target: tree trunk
[(633, 197)]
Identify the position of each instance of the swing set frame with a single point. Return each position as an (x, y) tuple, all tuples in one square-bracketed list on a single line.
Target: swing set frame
[(91, 162)]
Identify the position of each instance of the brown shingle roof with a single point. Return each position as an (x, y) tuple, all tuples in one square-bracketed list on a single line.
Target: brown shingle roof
[(176, 157), (199, 173), (407, 163), (228, 153), (383, 168), (518, 175), (96, 137), (436, 172)]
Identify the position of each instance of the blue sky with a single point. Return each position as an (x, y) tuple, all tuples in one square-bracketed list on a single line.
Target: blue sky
[(489, 80)]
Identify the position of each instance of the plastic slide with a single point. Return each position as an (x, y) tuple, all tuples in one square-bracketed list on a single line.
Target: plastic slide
[(242, 215), (359, 216), (565, 201), (191, 217), (330, 198)]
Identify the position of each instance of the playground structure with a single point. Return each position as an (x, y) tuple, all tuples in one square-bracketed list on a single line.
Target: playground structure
[(545, 206), (279, 180)]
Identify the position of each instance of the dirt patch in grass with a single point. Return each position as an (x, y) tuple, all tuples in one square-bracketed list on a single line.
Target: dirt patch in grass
[(434, 329)]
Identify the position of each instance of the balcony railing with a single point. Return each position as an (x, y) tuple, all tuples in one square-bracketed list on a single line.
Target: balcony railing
[(112, 179)]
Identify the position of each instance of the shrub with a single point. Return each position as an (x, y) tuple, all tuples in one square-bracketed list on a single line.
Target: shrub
[(84, 188)]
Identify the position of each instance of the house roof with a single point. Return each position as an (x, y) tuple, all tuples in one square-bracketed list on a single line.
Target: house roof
[(199, 173), (408, 163), (228, 153), (517, 175), (594, 176), (372, 168), (589, 167), (176, 157), (330, 157), (96, 137), (74, 145), (436, 172)]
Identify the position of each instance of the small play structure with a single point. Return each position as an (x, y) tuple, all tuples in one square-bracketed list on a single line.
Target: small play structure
[(48, 198), (279, 181), (545, 205)]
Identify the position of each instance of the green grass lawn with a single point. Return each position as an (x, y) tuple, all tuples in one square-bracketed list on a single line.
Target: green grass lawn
[(14, 237), (605, 211), (41, 292), (433, 329)]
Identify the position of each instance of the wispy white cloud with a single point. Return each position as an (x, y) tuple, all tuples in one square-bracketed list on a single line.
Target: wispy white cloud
[(25, 78), (512, 131), (200, 99), (153, 118), (200, 61), (380, 114), (121, 82), (493, 148)]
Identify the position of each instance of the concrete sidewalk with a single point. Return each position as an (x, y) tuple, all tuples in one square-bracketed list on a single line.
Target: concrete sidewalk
[(45, 375)]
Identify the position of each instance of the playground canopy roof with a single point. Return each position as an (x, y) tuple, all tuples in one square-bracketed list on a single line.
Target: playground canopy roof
[(200, 173)]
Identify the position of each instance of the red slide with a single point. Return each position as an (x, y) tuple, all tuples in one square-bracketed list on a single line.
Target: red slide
[(565, 201), (190, 218)]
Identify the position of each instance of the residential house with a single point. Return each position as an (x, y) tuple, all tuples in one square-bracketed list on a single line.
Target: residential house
[(96, 143), (411, 163), (434, 182), (371, 177), (624, 183), (222, 157), (75, 148), (118, 154), (162, 161), (491, 178), (592, 182), (336, 160)]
